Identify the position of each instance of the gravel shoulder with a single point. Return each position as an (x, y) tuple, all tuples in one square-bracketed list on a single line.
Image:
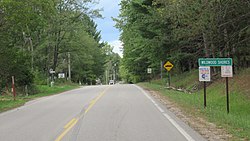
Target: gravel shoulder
[(208, 130)]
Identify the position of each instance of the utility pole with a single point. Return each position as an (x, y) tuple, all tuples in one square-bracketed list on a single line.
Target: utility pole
[(69, 67), (106, 76), (13, 87), (114, 73)]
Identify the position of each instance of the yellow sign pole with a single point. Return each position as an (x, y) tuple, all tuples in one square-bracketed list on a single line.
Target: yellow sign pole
[(168, 78), (168, 66)]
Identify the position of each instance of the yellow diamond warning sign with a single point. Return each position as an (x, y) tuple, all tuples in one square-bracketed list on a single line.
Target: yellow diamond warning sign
[(168, 66)]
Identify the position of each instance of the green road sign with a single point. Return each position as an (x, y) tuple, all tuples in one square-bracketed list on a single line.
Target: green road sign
[(215, 62)]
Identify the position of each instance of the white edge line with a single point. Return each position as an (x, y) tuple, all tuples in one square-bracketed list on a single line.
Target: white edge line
[(176, 125), (181, 130)]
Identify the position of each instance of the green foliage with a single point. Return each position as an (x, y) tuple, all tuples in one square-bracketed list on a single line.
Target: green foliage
[(40, 78), (182, 31), (7, 102), (237, 122), (39, 35), (111, 64), (125, 74)]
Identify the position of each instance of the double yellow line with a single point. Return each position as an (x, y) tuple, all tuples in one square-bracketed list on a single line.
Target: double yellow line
[(67, 128), (74, 121)]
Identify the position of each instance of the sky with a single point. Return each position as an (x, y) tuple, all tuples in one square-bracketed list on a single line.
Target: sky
[(106, 25)]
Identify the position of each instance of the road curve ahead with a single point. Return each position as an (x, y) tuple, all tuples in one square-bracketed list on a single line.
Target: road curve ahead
[(95, 113)]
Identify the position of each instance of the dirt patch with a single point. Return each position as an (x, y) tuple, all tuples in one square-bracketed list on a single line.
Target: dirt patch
[(208, 130)]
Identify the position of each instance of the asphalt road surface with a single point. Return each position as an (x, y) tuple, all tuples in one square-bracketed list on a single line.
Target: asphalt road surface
[(95, 113)]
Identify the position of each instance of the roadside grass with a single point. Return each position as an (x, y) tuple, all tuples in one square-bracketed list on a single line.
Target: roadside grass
[(237, 122), (45, 90), (7, 102), (187, 80)]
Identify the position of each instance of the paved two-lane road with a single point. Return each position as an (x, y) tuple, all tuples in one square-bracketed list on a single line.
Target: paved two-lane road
[(95, 113)]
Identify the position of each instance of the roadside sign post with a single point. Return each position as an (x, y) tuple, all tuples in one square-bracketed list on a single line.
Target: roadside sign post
[(226, 71), (168, 66), (205, 94), (149, 71), (204, 76), (227, 94), (52, 72), (215, 62), (61, 75), (168, 78)]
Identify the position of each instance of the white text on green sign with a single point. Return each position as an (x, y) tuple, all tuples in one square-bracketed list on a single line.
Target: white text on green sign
[(215, 62)]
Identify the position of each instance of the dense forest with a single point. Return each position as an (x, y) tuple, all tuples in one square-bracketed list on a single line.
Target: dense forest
[(39, 38), (181, 31)]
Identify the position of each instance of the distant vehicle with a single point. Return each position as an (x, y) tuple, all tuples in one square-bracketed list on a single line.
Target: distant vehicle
[(111, 82)]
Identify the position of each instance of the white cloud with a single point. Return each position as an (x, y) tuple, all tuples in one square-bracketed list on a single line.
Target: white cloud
[(110, 7), (109, 3), (117, 47), (108, 32)]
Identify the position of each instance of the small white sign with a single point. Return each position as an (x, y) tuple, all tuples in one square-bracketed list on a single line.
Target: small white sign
[(61, 75), (226, 71), (149, 70), (204, 74), (51, 71)]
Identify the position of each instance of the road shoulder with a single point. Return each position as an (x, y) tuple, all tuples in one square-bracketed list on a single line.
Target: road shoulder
[(206, 129)]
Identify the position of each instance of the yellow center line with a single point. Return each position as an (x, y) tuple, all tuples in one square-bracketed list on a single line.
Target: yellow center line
[(70, 123), (73, 122), (66, 130), (92, 103)]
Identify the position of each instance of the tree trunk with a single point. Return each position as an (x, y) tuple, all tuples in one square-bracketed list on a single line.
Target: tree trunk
[(227, 50), (56, 47), (206, 45), (55, 57), (190, 65)]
